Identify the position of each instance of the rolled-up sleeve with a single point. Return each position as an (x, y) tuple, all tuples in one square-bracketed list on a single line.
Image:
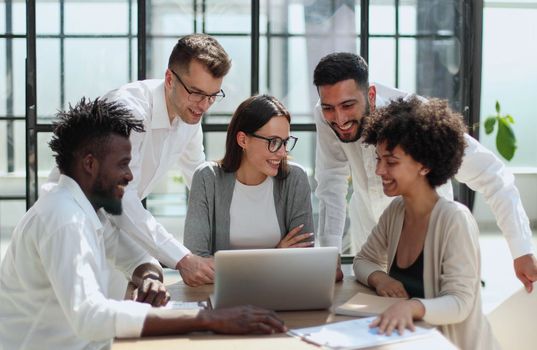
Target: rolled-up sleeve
[(482, 171)]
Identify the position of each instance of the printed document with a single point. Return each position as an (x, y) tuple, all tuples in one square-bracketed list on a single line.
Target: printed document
[(353, 334)]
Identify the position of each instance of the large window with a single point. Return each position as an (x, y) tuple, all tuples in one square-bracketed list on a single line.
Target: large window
[(85, 48), (510, 74)]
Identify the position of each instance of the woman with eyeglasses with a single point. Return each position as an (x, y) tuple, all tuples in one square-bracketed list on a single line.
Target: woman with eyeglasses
[(252, 198)]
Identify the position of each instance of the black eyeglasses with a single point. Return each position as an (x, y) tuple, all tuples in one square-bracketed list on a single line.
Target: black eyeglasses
[(275, 143), (199, 96)]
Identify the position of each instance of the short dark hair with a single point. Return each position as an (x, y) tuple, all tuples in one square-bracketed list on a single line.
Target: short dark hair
[(86, 128), (340, 66), (429, 131), (251, 115), (203, 48)]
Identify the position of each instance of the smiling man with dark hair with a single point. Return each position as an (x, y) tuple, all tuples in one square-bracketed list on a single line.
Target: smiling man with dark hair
[(346, 99), (55, 275)]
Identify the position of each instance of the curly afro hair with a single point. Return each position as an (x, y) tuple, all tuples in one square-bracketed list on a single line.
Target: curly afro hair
[(87, 127), (429, 131)]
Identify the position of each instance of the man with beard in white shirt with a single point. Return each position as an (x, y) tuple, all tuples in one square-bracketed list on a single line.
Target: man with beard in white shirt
[(55, 275), (171, 111), (345, 98)]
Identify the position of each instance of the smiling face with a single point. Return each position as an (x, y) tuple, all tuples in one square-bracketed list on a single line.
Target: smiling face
[(344, 105), (196, 79), (257, 161), (400, 173), (113, 175)]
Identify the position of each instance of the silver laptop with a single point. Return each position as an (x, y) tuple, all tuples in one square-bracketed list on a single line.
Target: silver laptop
[(276, 279)]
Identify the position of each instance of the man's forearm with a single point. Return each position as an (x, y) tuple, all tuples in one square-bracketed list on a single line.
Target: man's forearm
[(166, 322)]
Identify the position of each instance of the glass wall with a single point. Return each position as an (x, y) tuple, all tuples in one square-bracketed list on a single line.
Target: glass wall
[(510, 74), (85, 48)]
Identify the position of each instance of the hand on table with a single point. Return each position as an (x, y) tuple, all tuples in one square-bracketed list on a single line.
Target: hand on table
[(242, 320), (295, 240), (339, 271), (196, 270), (387, 286), (152, 291), (399, 317)]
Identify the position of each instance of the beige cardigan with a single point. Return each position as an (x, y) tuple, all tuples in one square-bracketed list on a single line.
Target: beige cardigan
[(451, 270)]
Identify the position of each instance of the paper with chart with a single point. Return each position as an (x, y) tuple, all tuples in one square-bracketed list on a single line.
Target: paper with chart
[(353, 334)]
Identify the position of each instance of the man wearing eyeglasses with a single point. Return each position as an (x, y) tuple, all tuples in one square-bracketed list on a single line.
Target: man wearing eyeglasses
[(171, 110)]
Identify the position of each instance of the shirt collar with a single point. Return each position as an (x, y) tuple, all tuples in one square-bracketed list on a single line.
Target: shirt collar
[(74, 189), (161, 120)]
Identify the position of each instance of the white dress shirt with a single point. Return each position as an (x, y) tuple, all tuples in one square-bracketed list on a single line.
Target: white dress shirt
[(154, 152), (336, 161), (54, 277)]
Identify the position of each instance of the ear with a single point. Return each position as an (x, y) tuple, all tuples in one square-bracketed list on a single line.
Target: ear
[(242, 139), (372, 96), (168, 78), (424, 171), (90, 165)]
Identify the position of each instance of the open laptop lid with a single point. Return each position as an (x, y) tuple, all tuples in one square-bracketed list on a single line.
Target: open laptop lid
[(276, 279)]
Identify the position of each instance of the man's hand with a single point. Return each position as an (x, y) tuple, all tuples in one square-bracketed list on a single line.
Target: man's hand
[(339, 271), (196, 270), (242, 320), (295, 240), (386, 286), (526, 270), (152, 291)]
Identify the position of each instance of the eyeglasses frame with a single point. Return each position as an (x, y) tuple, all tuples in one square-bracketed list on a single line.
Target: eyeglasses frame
[(283, 143), (211, 98)]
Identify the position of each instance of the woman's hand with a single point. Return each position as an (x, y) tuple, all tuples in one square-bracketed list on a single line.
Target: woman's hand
[(295, 240), (399, 316), (386, 286)]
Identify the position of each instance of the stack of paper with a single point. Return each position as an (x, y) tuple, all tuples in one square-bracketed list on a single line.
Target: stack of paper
[(353, 334), (363, 305)]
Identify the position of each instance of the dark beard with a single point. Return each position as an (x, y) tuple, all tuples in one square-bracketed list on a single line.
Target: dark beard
[(103, 198), (360, 123), (355, 138)]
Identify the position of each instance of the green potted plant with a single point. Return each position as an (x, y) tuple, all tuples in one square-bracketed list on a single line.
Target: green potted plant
[(505, 136)]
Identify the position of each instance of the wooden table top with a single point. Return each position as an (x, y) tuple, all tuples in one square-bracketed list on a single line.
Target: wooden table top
[(293, 319)]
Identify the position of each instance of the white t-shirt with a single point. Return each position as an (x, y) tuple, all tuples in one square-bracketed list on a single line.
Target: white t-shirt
[(252, 214)]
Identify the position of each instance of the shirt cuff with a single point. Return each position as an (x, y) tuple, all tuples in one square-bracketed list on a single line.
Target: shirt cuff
[(174, 252), (130, 319), (521, 245)]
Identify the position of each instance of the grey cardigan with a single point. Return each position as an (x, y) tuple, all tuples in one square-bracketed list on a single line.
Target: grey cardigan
[(207, 219)]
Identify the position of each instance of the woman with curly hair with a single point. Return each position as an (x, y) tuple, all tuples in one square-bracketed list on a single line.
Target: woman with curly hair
[(252, 198), (425, 248)]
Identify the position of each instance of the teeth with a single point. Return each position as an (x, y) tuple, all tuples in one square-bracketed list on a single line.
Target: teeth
[(195, 113), (387, 182), (346, 126), (274, 162)]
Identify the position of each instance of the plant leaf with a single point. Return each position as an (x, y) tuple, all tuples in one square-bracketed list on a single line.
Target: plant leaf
[(497, 107), (505, 139), (510, 118), (489, 125)]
